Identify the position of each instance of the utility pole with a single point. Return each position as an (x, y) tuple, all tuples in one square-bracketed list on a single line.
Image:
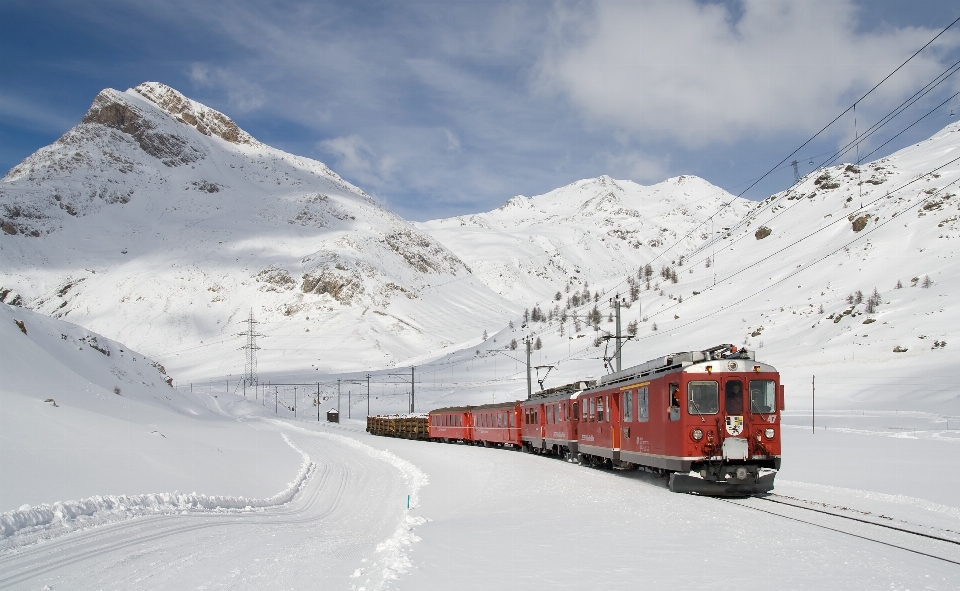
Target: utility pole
[(250, 370), (413, 383), (796, 172), (349, 392), (527, 341), (338, 395), (616, 305), (368, 395), (318, 402), (813, 400)]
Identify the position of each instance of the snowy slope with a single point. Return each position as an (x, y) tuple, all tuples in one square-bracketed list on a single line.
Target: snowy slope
[(159, 222), (85, 415), (780, 280), (590, 231)]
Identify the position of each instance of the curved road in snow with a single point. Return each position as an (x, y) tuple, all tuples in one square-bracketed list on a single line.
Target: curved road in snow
[(353, 502)]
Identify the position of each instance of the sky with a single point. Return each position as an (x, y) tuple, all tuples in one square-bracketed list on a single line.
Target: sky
[(453, 107)]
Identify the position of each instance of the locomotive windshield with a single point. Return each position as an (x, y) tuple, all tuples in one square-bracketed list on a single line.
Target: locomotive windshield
[(703, 398), (733, 397), (763, 396)]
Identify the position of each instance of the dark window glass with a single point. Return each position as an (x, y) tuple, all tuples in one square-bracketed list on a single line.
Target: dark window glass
[(703, 398), (733, 397)]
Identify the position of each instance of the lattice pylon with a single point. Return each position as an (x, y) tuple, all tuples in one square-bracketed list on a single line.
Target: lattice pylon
[(250, 377)]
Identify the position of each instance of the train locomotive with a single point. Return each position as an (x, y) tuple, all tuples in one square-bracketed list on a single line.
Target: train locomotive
[(708, 420)]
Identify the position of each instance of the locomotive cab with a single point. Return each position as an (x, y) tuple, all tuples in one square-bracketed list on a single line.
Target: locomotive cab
[(709, 418)]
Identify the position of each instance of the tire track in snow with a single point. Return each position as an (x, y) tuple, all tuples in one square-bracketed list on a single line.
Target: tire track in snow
[(391, 557)]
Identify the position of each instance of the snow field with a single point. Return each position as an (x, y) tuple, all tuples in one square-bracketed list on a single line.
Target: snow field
[(500, 518)]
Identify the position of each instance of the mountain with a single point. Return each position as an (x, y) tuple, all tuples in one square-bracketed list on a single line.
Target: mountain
[(159, 222), (590, 231), (848, 276)]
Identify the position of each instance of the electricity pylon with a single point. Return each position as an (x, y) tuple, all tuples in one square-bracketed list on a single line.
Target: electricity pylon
[(250, 369)]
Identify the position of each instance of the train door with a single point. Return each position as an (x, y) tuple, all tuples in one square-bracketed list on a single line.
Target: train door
[(615, 423), (659, 416)]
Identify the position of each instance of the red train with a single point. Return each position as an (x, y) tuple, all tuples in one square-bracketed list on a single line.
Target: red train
[(709, 419)]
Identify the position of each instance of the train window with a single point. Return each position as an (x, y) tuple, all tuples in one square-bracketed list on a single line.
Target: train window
[(733, 397), (566, 410), (586, 409), (513, 419), (576, 409), (628, 406), (593, 409), (763, 396), (600, 409), (643, 403), (553, 412), (703, 398)]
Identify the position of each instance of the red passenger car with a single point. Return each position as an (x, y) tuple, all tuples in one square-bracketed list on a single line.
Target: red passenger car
[(450, 424), (496, 424), (549, 421)]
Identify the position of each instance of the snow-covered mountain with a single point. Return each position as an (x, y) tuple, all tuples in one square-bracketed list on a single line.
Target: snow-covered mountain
[(159, 222), (850, 276), (590, 231)]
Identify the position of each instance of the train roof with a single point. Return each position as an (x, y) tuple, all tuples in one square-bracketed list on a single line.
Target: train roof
[(469, 408), (680, 361)]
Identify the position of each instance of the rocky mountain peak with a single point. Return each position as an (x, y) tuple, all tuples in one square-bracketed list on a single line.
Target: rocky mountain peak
[(207, 121)]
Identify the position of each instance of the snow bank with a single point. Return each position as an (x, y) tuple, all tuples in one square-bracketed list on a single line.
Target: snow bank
[(29, 524)]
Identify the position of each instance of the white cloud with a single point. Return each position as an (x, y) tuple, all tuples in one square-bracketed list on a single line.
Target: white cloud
[(635, 166), (357, 160), (691, 72), (243, 95)]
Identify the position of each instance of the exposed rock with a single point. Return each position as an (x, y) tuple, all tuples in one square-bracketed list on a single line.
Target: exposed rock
[(421, 253), (206, 120), (112, 110), (341, 288)]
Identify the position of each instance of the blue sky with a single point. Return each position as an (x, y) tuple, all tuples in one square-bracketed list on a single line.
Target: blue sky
[(445, 108)]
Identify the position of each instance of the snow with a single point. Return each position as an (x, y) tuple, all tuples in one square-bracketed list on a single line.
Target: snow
[(96, 446), (168, 250), (149, 438)]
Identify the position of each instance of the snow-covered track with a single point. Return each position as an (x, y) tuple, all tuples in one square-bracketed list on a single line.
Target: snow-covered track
[(931, 546)]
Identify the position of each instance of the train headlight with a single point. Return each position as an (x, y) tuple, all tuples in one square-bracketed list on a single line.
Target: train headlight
[(769, 433), (697, 434)]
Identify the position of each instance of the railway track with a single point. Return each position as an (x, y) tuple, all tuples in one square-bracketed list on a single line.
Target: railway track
[(938, 547)]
